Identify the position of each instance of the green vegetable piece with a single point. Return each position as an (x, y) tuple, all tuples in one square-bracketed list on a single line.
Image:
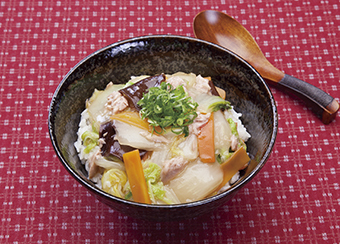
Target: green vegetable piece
[(209, 103), (152, 174), (233, 126), (165, 107), (220, 105), (90, 140), (128, 196), (223, 156)]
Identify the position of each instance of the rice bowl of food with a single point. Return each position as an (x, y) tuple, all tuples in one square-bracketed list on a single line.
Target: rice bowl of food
[(162, 127)]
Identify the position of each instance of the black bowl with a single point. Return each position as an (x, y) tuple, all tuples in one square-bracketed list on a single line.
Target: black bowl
[(168, 54)]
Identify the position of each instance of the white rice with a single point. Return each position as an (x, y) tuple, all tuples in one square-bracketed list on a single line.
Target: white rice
[(85, 125), (241, 130)]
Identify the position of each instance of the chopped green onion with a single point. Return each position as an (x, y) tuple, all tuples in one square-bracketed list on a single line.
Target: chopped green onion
[(165, 107)]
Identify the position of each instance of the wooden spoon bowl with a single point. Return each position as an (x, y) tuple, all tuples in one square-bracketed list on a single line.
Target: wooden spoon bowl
[(220, 28)]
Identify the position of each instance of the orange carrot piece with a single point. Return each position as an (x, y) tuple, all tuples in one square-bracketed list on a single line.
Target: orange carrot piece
[(235, 163), (133, 118), (134, 170), (206, 145)]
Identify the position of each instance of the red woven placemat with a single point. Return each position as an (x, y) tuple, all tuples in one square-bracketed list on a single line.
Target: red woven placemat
[(294, 199)]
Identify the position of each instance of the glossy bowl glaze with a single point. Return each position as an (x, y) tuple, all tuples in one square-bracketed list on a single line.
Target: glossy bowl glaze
[(152, 55)]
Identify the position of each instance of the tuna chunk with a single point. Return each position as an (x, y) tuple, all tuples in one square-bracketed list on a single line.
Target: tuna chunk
[(199, 121), (172, 167), (202, 84), (176, 81), (116, 102), (92, 166), (234, 143)]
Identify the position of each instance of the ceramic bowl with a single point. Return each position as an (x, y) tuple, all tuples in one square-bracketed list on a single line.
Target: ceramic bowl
[(245, 89)]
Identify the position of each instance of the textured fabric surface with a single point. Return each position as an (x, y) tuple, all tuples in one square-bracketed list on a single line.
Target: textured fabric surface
[(294, 199)]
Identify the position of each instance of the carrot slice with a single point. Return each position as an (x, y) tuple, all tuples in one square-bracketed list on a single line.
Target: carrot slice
[(206, 145), (134, 171), (133, 118), (235, 163)]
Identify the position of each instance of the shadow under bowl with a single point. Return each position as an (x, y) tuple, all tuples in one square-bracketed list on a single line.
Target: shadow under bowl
[(168, 54)]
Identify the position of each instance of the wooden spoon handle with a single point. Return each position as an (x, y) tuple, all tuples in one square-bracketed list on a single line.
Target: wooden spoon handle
[(323, 105)]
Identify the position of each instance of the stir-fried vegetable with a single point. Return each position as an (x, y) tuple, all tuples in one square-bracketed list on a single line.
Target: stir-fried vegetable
[(187, 148), (113, 182), (152, 174), (134, 170), (167, 107), (135, 137), (110, 146), (197, 181), (110, 164), (209, 103), (188, 78), (90, 140), (162, 139)]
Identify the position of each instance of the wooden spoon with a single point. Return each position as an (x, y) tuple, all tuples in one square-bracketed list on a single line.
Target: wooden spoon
[(221, 29)]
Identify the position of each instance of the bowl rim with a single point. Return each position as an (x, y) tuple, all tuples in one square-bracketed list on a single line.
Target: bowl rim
[(204, 201)]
